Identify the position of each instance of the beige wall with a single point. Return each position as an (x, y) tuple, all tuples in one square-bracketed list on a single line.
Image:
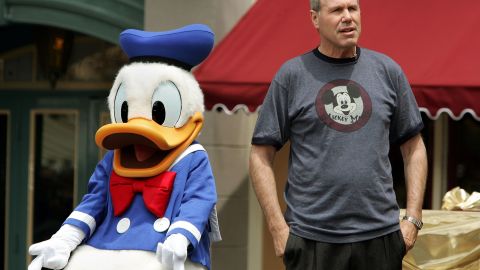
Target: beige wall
[(246, 244), (220, 15), (226, 138)]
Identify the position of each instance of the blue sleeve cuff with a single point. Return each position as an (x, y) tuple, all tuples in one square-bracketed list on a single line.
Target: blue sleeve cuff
[(83, 221), (193, 240), (79, 224)]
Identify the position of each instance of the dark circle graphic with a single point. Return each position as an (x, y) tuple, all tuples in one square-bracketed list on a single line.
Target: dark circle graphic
[(343, 105)]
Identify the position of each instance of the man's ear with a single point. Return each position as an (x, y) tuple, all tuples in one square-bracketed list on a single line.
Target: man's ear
[(314, 18)]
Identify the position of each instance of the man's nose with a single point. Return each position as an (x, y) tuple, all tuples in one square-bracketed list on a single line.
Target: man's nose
[(347, 17)]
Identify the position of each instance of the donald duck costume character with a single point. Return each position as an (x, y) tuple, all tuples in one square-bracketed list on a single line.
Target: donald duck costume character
[(151, 200)]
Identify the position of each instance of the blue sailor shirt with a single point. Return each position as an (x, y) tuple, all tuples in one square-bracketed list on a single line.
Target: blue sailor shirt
[(192, 201)]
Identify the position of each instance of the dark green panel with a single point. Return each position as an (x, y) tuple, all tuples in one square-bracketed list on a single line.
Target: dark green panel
[(102, 19), (4, 144), (3, 20), (17, 217), (116, 12)]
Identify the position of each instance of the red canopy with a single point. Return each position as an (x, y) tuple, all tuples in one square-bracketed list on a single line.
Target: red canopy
[(435, 42)]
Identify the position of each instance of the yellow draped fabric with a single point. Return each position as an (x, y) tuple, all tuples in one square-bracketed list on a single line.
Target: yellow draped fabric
[(448, 240)]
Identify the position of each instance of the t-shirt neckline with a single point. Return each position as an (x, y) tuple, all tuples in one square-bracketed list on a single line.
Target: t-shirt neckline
[(332, 60)]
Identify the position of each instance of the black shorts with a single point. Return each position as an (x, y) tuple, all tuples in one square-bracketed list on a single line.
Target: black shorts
[(381, 253)]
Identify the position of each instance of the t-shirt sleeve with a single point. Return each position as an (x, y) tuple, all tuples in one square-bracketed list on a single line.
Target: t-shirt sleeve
[(406, 120), (272, 127)]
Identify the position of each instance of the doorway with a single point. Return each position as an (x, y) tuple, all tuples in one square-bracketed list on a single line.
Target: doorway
[(47, 153)]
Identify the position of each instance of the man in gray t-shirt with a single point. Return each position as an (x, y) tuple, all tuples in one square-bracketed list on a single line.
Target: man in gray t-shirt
[(340, 107)]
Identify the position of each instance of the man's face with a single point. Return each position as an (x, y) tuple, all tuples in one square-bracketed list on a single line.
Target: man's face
[(338, 23)]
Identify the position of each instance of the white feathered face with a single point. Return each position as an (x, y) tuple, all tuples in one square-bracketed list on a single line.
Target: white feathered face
[(156, 113), (166, 94)]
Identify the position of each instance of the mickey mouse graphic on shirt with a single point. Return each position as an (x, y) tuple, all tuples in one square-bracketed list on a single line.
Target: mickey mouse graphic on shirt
[(342, 98), (343, 105)]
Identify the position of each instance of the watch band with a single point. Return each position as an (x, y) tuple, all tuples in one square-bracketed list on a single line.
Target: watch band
[(418, 223)]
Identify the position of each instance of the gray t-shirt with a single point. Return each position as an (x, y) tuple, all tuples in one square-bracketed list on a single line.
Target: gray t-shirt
[(340, 115)]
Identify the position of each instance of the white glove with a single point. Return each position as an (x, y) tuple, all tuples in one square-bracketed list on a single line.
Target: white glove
[(55, 252), (173, 252)]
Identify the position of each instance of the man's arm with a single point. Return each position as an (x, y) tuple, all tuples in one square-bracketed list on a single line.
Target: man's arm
[(263, 181), (415, 167)]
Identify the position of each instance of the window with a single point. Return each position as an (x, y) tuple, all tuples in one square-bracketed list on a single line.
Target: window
[(464, 154), (54, 136)]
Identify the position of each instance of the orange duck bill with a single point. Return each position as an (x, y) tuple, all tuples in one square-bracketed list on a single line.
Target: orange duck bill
[(143, 148)]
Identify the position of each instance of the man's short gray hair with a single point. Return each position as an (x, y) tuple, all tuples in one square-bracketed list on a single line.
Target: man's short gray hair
[(315, 5)]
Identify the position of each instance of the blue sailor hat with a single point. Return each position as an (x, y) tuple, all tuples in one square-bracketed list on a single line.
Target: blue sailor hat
[(184, 47)]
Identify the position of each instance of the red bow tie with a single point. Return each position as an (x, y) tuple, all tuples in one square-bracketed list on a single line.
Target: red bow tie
[(156, 192)]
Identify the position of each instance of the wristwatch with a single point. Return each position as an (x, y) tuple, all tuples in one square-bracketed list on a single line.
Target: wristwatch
[(418, 223)]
